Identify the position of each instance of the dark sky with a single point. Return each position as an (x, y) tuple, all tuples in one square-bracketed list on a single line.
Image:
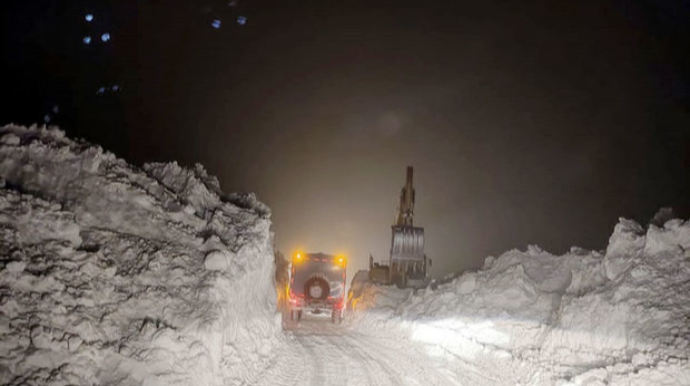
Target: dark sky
[(526, 122)]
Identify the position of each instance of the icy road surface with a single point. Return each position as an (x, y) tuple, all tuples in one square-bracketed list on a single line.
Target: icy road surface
[(321, 353)]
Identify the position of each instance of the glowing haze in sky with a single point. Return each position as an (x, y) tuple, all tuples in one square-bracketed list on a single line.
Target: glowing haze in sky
[(526, 122)]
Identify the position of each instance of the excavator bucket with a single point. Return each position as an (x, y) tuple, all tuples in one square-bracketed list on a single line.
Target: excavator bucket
[(408, 262), (407, 259), (407, 244)]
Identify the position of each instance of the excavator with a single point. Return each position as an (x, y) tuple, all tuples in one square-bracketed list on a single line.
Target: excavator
[(407, 262)]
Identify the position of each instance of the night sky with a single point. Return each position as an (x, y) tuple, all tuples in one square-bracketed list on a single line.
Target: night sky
[(527, 122)]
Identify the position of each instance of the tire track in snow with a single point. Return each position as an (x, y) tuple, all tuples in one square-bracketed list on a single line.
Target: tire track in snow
[(335, 364), (408, 366), (319, 353), (381, 373), (283, 371)]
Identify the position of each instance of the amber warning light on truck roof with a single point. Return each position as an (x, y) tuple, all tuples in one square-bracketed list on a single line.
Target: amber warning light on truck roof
[(341, 260)]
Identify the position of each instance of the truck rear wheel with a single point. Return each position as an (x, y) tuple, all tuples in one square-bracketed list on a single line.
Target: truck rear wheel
[(295, 315)]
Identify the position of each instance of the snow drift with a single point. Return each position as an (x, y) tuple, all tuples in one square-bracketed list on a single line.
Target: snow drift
[(584, 318), (112, 274)]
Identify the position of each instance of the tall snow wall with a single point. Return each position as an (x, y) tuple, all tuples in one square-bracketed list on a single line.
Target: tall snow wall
[(619, 317), (113, 274)]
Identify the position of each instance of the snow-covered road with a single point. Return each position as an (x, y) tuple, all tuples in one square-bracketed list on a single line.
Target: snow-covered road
[(320, 353), (119, 275)]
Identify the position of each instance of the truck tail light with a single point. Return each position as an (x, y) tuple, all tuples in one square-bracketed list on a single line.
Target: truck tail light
[(293, 299)]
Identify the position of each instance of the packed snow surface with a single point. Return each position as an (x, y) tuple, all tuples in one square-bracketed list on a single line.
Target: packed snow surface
[(118, 275)]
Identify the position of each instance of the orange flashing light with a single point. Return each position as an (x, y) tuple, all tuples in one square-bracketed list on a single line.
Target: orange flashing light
[(299, 256), (341, 260)]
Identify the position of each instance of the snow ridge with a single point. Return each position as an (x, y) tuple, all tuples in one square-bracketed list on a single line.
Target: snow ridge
[(584, 318), (113, 274)]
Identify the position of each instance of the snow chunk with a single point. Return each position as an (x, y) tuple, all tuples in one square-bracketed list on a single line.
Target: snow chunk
[(218, 260), (628, 240), (16, 266), (662, 216), (466, 283), (195, 186), (674, 237), (10, 139)]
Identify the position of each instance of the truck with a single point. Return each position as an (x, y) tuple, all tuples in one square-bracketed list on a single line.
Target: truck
[(317, 285)]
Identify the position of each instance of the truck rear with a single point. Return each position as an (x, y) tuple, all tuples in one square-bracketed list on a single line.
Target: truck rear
[(317, 285)]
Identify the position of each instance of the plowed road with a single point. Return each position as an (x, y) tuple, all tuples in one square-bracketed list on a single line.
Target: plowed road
[(322, 354)]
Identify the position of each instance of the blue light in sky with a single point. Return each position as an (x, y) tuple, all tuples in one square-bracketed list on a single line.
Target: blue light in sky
[(115, 87), (56, 109), (89, 17), (46, 118), (101, 90), (216, 24), (105, 37), (241, 20), (87, 40)]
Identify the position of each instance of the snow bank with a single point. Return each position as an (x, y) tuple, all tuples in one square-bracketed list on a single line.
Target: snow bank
[(584, 318), (111, 274)]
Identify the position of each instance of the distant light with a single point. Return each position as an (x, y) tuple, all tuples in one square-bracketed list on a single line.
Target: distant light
[(87, 40), (101, 90), (115, 87), (105, 37), (241, 20), (89, 17), (46, 118), (233, 3), (216, 24), (56, 109)]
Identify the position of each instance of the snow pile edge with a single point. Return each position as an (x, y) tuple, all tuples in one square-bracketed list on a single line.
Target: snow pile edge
[(583, 318), (112, 274)]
